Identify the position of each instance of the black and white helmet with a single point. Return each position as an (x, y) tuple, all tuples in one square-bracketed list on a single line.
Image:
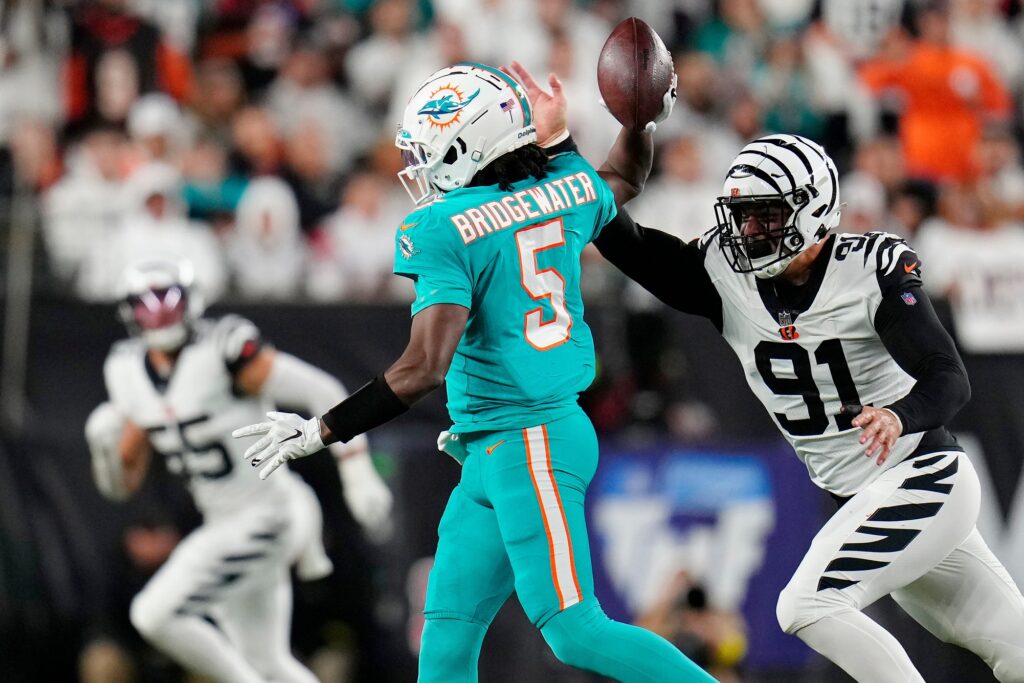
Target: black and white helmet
[(780, 197), (158, 303)]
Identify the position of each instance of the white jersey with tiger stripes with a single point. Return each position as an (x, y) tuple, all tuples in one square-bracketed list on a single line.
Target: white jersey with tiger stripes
[(805, 366), (190, 416)]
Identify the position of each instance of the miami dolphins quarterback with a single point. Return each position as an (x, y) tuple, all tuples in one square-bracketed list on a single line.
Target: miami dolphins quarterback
[(493, 247)]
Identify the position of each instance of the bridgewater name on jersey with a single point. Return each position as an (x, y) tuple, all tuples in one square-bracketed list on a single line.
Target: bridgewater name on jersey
[(189, 415), (513, 259), (806, 360)]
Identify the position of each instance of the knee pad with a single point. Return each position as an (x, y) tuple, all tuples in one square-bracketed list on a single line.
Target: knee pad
[(1008, 667), (798, 607)]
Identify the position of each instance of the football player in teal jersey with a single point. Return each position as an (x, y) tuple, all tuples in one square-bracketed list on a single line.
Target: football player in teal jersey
[(493, 247)]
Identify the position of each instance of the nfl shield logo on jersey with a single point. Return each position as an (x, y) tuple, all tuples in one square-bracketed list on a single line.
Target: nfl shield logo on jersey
[(908, 298)]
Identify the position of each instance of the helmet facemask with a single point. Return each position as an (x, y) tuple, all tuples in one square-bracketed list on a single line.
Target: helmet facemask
[(759, 232), (157, 305), (779, 199)]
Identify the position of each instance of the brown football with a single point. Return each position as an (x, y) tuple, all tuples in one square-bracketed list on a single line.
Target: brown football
[(633, 73)]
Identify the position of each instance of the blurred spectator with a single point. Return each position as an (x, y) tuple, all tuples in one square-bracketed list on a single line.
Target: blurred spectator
[(176, 20), (156, 126), (715, 639), (594, 129), (115, 57), (360, 254), (479, 22), (979, 27), (948, 95), (304, 96), (973, 257), (912, 204), (265, 250), (681, 199), (864, 196), (154, 226), (736, 38), (1000, 175), (30, 46), (84, 208), (258, 147), (375, 64), (308, 171), (701, 110), (847, 32), (881, 158), (35, 156), (219, 95), (445, 44), (783, 85), (210, 191)]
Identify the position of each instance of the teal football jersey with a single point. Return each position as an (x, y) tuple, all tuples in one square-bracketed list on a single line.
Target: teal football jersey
[(513, 259)]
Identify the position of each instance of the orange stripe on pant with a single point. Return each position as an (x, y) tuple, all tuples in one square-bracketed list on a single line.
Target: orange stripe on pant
[(563, 565)]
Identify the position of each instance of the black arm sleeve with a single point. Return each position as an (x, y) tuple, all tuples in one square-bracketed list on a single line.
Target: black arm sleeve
[(907, 325), (371, 406), (667, 267)]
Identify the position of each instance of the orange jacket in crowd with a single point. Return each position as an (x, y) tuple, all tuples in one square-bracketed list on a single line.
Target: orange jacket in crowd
[(949, 95)]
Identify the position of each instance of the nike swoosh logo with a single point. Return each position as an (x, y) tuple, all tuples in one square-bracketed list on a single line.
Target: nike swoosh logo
[(910, 268), (405, 226), (296, 435), (490, 449)]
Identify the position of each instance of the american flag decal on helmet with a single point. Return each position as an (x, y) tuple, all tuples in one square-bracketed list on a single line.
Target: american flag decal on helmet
[(507, 104)]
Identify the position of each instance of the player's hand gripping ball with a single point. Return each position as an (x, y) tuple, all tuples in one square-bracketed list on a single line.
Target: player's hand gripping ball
[(636, 76)]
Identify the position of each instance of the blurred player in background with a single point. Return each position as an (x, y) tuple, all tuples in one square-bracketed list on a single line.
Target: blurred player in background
[(176, 388), (494, 250), (843, 348)]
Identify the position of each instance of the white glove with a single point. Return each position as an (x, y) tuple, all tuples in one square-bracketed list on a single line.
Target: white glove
[(367, 496), (103, 434), (451, 444), (288, 437), (667, 102)]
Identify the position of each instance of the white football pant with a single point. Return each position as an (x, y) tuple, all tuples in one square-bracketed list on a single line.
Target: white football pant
[(910, 533)]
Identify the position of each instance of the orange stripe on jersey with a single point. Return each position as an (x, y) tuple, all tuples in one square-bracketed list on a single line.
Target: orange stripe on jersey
[(563, 566)]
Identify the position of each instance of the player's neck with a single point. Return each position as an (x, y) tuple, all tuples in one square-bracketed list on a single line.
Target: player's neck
[(163, 361), (799, 270)]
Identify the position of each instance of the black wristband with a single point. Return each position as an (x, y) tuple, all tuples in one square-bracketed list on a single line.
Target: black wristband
[(371, 406)]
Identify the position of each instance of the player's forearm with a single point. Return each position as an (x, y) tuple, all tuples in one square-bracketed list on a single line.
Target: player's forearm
[(664, 265), (942, 389), (628, 164), (920, 345), (135, 453)]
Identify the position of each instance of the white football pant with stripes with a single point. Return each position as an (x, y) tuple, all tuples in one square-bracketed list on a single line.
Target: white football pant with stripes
[(911, 533), (221, 604)]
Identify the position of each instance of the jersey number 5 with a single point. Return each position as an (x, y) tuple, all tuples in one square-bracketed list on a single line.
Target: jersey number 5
[(543, 284), (830, 353)]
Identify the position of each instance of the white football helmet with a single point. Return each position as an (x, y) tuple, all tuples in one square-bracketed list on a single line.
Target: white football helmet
[(158, 303), (459, 120), (780, 197)]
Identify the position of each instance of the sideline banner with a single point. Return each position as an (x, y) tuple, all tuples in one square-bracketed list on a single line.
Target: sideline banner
[(737, 521)]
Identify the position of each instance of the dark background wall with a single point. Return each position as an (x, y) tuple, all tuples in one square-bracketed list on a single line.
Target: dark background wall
[(62, 579)]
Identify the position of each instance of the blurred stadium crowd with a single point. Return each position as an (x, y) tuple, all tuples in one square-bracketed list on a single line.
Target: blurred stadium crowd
[(255, 138)]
